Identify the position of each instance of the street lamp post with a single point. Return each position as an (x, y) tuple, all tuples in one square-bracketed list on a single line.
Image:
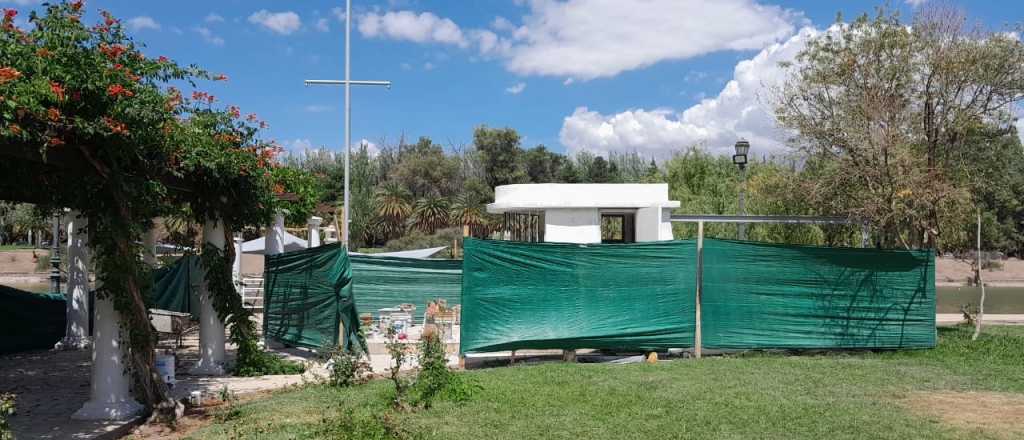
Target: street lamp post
[(740, 159)]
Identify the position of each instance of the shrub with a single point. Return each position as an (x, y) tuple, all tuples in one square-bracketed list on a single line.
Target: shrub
[(346, 367), (262, 363), (6, 410)]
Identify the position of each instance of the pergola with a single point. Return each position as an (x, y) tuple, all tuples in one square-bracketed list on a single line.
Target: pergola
[(22, 167)]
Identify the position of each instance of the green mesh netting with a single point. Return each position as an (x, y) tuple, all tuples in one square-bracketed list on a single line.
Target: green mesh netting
[(550, 295), (388, 281), (30, 321), (308, 298), (175, 287), (759, 295)]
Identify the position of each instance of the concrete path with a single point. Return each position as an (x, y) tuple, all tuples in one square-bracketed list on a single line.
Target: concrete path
[(946, 319)]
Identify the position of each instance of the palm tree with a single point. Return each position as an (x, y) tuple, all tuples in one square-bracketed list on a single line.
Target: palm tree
[(431, 213), (392, 205), (467, 210)]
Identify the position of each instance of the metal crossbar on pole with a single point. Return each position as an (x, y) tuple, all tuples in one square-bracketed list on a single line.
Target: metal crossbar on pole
[(348, 82)]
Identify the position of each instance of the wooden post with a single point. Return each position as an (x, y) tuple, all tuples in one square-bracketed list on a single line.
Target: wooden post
[(512, 358), (700, 269)]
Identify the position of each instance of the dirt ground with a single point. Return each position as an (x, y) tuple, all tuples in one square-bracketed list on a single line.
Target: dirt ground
[(22, 261), (949, 270), (997, 414)]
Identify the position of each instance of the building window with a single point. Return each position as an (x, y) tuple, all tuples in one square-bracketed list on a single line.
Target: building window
[(617, 228)]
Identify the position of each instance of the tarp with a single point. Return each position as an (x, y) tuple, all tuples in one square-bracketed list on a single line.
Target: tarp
[(176, 287), (308, 298), (550, 295), (387, 282), (259, 245), (415, 253), (759, 295), (30, 321)]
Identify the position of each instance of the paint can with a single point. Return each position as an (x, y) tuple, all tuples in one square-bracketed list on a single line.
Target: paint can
[(165, 368)]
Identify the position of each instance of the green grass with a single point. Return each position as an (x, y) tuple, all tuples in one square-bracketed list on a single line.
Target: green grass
[(836, 396)]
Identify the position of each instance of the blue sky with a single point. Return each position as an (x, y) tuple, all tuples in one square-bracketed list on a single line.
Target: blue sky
[(651, 76)]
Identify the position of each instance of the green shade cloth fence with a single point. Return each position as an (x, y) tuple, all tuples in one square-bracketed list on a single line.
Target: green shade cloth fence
[(759, 295), (176, 287), (388, 281), (308, 298), (30, 321), (550, 295), (642, 296)]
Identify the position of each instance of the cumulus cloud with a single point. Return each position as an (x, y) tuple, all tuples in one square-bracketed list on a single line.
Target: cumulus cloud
[(297, 145), (209, 36), (338, 13), (516, 88), (283, 23), (587, 39), (136, 24), (371, 148), (409, 26), (739, 110), (213, 18), (322, 25), (916, 3)]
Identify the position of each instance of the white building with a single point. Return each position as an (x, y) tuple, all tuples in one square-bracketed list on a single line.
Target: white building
[(585, 212)]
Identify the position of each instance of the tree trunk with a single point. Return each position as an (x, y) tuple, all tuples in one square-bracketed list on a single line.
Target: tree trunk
[(981, 283)]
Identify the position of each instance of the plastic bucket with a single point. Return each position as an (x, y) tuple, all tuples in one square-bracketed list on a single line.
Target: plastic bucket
[(165, 368)]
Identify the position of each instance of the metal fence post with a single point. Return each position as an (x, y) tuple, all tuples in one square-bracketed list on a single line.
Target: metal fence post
[(700, 272)]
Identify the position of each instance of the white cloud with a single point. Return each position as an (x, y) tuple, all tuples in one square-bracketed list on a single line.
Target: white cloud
[(297, 145), (428, 66), (209, 36), (371, 148), (136, 24), (322, 25), (283, 23), (587, 39), (516, 88), (916, 3), (410, 26), (716, 123), (338, 13), (213, 18), (316, 108)]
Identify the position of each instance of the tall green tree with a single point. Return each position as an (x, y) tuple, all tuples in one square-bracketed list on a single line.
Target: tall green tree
[(883, 112), (501, 156)]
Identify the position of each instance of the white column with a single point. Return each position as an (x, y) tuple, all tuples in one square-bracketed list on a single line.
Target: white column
[(236, 266), (274, 240), (109, 393), (313, 227), (76, 331), (149, 247), (211, 328)]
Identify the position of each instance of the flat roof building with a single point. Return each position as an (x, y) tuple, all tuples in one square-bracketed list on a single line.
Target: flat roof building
[(585, 212)]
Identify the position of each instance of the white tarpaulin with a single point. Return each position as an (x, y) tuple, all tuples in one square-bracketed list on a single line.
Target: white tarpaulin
[(418, 253), (259, 245)]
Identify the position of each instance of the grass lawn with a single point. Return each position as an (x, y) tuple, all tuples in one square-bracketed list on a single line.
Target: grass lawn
[(763, 396)]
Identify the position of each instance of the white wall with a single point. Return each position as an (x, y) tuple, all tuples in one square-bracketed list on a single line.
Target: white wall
[(579, 195), (572, 225)]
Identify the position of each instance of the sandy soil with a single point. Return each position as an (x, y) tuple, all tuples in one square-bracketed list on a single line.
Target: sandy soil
[(952, 271), (21, 261), (997, 414)]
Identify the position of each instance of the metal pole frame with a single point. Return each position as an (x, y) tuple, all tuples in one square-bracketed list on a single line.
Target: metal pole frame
[(742, 220)]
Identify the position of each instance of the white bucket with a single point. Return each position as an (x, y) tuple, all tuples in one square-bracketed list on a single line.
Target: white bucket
[(165, 368)]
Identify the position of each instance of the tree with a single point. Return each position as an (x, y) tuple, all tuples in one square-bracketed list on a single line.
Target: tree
[(501, 156), (393, 209), (883, 111), (543, 166), (423, 169), (431, 213)]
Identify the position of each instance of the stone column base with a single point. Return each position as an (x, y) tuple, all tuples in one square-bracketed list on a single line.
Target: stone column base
[(71, 343), (96, 410), (207, 369)]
